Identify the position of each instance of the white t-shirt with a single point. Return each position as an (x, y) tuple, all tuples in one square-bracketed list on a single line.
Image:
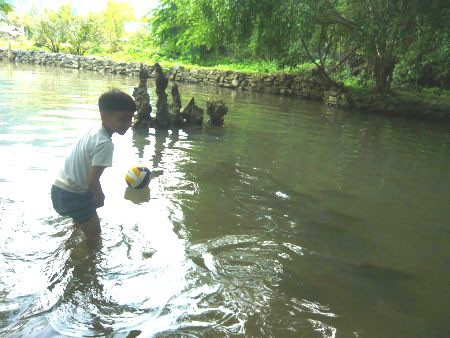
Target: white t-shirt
[(95, 148)]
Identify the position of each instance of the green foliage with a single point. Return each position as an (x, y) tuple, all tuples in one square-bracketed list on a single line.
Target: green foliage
[(436, 92), (51, 29), (362, 80), (166, 28), (62, 30), (426, 62), (84, 33), (5, 8), (385, 30), (328, 33), (137, 48), (24, 20), (114, 18), (201, 29)]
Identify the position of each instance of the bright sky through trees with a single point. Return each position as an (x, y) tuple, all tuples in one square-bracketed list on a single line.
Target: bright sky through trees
[(141, 7)]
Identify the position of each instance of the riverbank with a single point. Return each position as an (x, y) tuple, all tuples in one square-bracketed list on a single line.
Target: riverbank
[(306, 85)]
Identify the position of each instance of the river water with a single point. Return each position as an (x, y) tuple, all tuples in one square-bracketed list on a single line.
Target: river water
[(290, 221)]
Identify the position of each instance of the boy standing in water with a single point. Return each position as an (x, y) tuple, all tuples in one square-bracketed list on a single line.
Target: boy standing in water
[(76, 191)]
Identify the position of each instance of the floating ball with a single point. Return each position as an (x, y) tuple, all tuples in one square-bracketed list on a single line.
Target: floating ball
[(138, 177)]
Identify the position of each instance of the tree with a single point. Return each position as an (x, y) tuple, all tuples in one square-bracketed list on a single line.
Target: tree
[(5, 8), (84, 33), (25, 20), (386, 29), (426, 61), (115, 16), (380, 33), (78, 34), (382, 30), (167, 28), (51, 29), (199, 28)]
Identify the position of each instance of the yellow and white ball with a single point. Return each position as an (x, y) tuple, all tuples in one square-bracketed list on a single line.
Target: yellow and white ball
[(138, 177)]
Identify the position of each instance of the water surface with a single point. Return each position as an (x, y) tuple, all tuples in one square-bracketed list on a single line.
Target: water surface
[(290, 221)]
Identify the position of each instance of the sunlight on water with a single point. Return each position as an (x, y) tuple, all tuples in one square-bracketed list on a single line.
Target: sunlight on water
[(290, 221)]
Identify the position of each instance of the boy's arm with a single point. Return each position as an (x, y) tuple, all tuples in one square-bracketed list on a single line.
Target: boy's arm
[(94, 184)]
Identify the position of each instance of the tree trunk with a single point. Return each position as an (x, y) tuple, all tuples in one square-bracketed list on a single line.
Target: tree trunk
[(383, 69)]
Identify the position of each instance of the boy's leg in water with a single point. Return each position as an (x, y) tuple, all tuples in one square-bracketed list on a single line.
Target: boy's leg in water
[(91, 229)]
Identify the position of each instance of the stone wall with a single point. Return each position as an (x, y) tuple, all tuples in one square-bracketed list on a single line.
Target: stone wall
[(70, 61), (306, 86)]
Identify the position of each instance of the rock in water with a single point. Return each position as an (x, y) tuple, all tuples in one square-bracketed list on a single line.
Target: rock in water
[(216, 111)]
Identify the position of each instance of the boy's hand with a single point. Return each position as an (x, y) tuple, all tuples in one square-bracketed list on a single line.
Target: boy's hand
[(94, 185)]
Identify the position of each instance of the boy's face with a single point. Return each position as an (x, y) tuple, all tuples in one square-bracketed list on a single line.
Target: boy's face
[(117, 122)]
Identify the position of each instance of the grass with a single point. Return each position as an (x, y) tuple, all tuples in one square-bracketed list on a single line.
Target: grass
[(148, 56), (249, 67), (25, 44), (435, 92), (432, 96)]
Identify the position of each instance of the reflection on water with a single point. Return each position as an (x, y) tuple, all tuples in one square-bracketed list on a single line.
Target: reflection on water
[(290, 221), (137, 196)]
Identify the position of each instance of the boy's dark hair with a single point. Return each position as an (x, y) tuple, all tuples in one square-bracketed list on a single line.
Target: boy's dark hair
[(116, 100)]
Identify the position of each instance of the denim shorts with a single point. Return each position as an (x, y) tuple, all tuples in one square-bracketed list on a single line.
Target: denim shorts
[(79, 206)]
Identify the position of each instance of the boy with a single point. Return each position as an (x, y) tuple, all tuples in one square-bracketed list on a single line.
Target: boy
[(76, 191)]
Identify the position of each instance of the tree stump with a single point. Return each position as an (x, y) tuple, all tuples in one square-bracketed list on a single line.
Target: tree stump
[(176, 105), (175, 108), (216, 111), (142, 98), (171, 116), (192, 114), (162, 119)]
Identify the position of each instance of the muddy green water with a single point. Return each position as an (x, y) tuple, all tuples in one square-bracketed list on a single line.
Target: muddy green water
[(290, 221)]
